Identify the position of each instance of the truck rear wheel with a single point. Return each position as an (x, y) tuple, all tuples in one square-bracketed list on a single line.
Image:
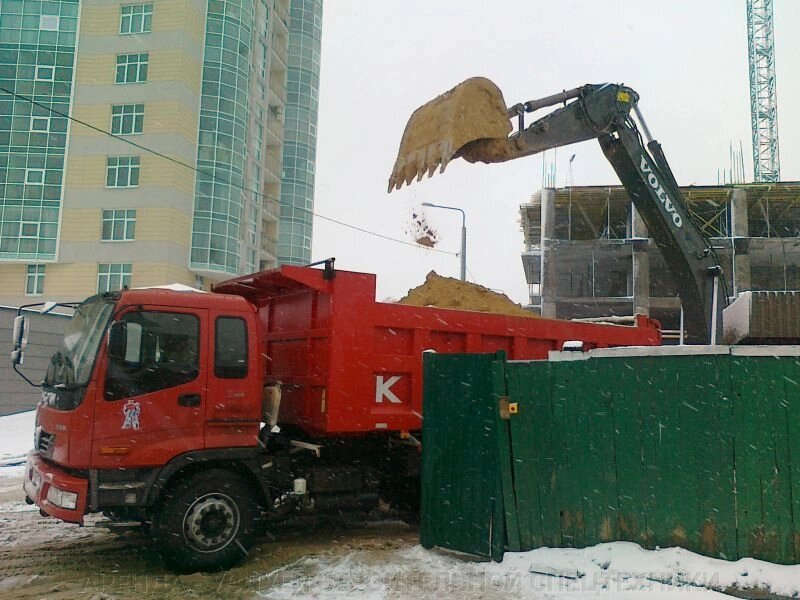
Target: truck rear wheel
[(206, 522)]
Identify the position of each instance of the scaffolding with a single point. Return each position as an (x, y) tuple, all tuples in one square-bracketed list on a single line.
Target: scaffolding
[(596, 260)]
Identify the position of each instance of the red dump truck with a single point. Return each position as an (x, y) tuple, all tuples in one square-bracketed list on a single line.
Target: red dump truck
[(200, 416)]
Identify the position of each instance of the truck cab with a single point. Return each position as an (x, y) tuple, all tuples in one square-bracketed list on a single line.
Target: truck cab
[(174, 382)]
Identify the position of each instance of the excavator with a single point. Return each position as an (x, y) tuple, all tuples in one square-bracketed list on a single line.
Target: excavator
[(473, 122)]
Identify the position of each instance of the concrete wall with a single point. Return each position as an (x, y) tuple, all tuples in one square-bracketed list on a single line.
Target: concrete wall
[(16, 395)]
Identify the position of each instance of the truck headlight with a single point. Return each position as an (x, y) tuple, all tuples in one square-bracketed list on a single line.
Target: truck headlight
[(68, 500)]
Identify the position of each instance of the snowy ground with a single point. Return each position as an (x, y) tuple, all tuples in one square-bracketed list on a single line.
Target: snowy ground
[(16, 439), (42, 558), (615, 570)]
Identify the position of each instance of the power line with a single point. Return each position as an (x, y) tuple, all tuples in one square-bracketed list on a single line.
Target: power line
[(212, 176)]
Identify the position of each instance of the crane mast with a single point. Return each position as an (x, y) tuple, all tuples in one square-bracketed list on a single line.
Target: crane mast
[(763, 100)]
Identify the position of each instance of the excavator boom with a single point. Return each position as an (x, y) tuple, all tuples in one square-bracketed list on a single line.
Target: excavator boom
[(471, 121)]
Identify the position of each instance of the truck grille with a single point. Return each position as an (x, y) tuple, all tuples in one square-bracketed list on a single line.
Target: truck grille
[(45, 442)]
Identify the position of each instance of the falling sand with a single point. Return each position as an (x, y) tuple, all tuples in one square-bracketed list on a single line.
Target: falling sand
[(420, 231)]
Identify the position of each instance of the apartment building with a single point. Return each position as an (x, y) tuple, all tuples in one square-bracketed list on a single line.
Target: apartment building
[(300, 144), (170, 167)]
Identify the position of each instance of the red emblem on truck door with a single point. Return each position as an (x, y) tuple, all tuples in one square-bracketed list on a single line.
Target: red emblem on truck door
[(132, 409)]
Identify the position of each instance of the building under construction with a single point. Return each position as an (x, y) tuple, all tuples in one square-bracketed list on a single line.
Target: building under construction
[(587, 251)]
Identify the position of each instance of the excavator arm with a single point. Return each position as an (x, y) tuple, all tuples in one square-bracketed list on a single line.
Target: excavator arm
[(471, 122)]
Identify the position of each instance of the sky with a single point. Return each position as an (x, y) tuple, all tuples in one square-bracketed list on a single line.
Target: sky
[(383, 59)]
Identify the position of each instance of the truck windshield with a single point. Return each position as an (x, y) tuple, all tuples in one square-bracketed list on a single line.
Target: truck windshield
[(72, 363)]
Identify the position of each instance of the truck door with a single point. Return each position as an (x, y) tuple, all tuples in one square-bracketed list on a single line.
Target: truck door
[(233, 410), (152, 401)]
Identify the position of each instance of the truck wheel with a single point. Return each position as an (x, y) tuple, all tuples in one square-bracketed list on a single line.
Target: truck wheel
[(206, 522)]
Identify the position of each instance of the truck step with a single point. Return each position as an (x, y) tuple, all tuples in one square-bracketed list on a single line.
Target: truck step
[(118, 525)]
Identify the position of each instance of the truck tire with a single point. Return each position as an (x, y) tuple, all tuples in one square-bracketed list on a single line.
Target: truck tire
[(206, 522)]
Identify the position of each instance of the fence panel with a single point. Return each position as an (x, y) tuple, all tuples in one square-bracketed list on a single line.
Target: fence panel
[(631, 395), (763, 471), (791, 385), (628, 449), (531, 451), (594, 391), (462, 507), (699, 450)]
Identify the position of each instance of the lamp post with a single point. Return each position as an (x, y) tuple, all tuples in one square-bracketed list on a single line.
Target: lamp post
[(463, 236)]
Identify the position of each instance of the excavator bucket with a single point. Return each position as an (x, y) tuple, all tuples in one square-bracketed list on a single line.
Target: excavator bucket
[(438, 130)]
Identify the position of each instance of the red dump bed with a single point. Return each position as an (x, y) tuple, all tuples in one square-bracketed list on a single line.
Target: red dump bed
[(349, 364)]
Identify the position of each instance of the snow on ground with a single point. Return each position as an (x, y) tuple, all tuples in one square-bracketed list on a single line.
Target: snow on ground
[(16, 439), (612, 570)]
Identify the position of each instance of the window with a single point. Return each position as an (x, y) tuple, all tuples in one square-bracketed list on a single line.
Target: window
[(127, 119), (34, 280), (259, 140), (34, 176), (136, 18), (119, 225), (265, 23), (113, 276), (45, 73), (161, 352), (49, 22), (40, 124), (132, 68), (251, 260), (122, 171), (29, 230), (230, 348), (252, 225)]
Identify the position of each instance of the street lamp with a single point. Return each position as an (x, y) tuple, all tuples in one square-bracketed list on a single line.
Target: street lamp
[(463, 236)]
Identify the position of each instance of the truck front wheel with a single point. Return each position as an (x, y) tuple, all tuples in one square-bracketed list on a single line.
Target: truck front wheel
[(206, 522)]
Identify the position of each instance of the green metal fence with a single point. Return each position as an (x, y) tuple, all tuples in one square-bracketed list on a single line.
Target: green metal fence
[(462, 503), (698, 448)]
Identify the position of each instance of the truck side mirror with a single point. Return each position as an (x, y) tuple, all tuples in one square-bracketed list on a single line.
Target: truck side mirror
[(17, 356), (118, 340), (20, 332)]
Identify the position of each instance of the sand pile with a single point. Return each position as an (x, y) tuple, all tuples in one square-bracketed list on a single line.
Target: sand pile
[(446, 292)]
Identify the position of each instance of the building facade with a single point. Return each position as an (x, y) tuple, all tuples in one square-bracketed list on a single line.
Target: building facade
[(300, 145), (170, 168), (587, 252)]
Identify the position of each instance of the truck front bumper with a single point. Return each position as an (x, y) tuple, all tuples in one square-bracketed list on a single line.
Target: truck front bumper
[(55, 492)]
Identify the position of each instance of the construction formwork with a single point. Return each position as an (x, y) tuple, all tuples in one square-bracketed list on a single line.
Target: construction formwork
[(587, 252)]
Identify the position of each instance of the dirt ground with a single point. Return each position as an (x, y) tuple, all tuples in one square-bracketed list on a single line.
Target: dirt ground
[(44, 558)]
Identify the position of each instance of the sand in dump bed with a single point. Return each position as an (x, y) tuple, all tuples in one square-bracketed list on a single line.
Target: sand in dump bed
[(446, 292)]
